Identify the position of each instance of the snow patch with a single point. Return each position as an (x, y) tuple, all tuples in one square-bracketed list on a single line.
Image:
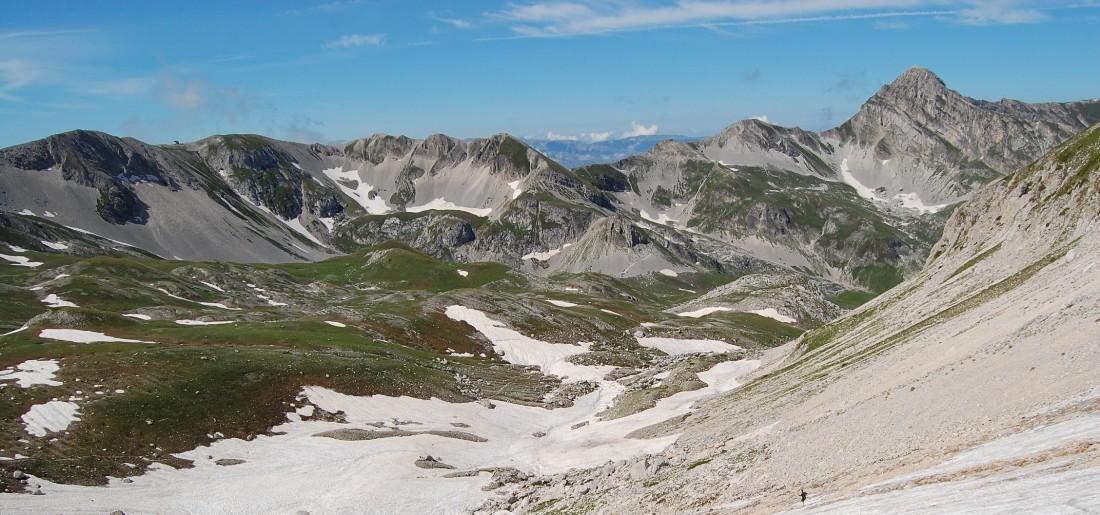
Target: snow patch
[(362, 193), (201, 322), (678, 346), (441, 204), (55, 246), (545, 256), (699, 313), (335, 324), (53, 301), (214, 286), (562, 303), (520, 349), (516, 191), (81, 336), (52, 416), (668, 272), (662, 218), (774, 314), (32, 372), (138, 316), (27, 212), (463, 273), (21, 261), (608, 311), (16, 249)]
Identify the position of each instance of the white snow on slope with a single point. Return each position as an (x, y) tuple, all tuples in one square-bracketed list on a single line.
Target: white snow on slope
[(298, 471), (669, 273), (520, 349), (913, 201), (214, 286), (699, 313), (463, 273), (201, 322), (773, 314), (21, 261), (545, 256), (55, 246), (43, 419), (16, 249), (335, 324), (851, 180), (516, 191), (138, 316), (32, 372), (81, 336), (441, 204), (361, 193), (677, 346), (53, 301), (562, 303), (661, 218)]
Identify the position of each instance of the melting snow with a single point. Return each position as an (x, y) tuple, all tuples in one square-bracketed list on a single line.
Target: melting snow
[(33, 372), (80, 336), (703, 312), (520, 349), (53, 301), (217, 305), (545, 256), (201, 322), (214, 286), (374, 204), (463, 273), (52, 416), (562, 303), (441, 204), (335, 324), (912, 201), (662, 218), (608, 311), (677, 346), (295, 471), (27, 212), (55, 246), (773, 314), (138, 316), (668, 272), (516, 192), (16, 249), (21, 261)]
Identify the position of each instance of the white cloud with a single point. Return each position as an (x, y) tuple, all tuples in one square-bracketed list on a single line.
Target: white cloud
[(552, 136), (637, 129), (987, 12), (596, 137), (356, 40), (763, 118), (567, 18)]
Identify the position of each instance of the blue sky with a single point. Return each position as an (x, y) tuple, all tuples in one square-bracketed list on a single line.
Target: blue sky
[(337, 70)]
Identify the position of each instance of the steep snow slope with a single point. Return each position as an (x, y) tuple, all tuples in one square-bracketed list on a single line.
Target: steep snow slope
[(982, 370)]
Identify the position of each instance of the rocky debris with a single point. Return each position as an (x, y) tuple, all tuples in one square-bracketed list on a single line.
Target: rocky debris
[(353, 434), (228, 462), (428, 462)]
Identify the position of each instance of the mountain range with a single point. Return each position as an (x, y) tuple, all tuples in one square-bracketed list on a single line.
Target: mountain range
[(897, 312)]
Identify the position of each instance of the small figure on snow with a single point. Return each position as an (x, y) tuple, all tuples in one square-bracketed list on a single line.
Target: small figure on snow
[(804, 495)]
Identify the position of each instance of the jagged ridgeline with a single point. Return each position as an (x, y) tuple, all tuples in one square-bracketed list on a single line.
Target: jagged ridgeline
[(859, 205)]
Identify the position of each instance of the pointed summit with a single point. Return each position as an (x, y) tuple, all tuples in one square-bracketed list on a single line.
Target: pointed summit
[(916, 83)]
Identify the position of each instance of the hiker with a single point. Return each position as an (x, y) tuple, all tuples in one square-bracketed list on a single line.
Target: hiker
[(804, 494)]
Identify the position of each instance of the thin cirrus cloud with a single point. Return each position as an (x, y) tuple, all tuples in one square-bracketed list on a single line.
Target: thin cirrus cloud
[(569, 18), (357, 40)]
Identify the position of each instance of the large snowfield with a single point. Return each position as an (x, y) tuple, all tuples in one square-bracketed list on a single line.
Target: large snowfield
[(298, 470)]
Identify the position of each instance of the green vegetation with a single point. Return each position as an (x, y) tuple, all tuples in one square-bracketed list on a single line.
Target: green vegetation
[(516, 152)]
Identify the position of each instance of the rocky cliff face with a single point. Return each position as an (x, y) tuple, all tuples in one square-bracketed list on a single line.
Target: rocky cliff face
[(952, 143), (980, 371)]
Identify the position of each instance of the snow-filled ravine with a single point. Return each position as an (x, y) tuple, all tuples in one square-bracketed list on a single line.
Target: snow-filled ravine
[(302, 470)]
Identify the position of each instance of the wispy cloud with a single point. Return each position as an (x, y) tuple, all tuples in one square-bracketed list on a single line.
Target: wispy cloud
[(328, 7), (999, 12), (457, 23), (357, 40), (16, 74), (572, 17), (192, 96)]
